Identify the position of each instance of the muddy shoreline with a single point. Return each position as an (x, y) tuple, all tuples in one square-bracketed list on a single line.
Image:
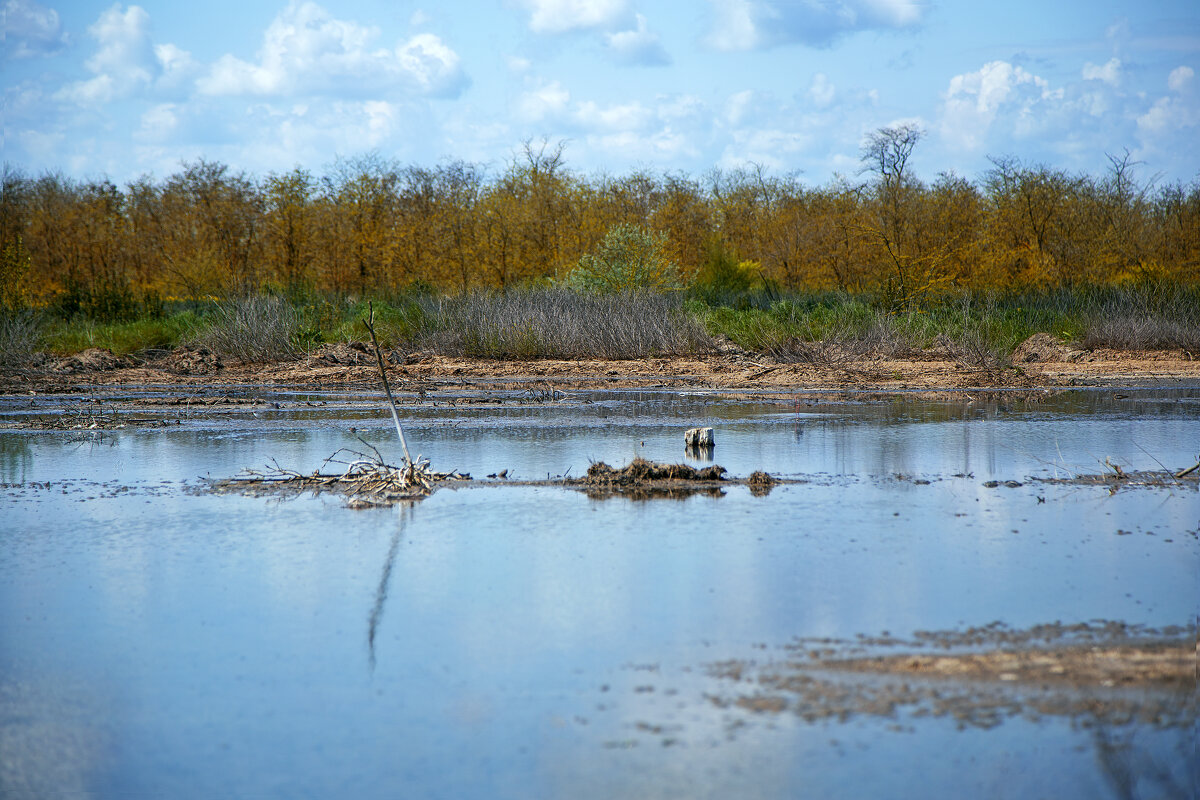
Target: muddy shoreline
[(421, 374)]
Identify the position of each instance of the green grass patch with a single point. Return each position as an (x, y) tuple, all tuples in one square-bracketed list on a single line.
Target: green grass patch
[(123, 338)]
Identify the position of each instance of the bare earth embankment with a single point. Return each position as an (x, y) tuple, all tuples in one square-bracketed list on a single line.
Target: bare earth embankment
[(350, 366)]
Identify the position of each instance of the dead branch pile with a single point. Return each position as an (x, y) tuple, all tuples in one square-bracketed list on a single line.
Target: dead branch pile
[(365, 480)]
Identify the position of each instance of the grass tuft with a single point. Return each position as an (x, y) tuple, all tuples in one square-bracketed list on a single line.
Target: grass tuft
[(254, 330), (20, 336)]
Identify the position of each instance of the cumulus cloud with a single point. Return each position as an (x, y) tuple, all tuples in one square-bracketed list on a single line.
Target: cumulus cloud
[(126, 61), (772, 148), (974, 100), (1109, 73), (543, 101), (306, 51), (562, 16), (1180, 78), (757, 24), (1002, 108), (30, 29), (638, 46), (1171, 115)]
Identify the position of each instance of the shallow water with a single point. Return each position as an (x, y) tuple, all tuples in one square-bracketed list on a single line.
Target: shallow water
[(530, 641)]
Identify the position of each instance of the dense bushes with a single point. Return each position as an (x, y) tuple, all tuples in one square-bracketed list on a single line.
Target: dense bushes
[(375, 227)]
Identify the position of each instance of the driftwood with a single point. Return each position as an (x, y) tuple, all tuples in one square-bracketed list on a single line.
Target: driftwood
[(366, 480)]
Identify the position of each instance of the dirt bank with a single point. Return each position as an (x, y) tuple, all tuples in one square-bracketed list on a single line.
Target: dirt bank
[(421, 373)]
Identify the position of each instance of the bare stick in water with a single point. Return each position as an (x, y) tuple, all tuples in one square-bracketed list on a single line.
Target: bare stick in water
[(370, 321)]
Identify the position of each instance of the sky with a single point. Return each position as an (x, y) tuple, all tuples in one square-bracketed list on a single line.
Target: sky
[(121, 90)]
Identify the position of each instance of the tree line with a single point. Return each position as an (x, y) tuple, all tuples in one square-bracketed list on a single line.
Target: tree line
[(370, 225)]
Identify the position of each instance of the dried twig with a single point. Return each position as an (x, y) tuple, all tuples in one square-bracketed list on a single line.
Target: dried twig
[(1183, 473)]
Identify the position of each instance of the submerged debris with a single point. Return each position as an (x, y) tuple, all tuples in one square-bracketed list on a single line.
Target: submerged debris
[(1118, 478), (367, 480)]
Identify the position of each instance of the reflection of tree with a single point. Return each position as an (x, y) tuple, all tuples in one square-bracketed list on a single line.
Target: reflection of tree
[(381, 593), (15, 458)]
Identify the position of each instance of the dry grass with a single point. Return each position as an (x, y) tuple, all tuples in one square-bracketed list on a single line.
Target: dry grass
[(1142, 332), (561, 323), (20, 337), (253, 330)]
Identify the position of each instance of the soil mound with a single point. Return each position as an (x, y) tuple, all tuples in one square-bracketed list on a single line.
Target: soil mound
[(187, 360), (1038, 348), (94, 359), (344, 354)]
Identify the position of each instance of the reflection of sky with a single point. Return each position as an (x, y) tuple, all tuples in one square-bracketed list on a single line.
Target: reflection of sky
[(230, 632)]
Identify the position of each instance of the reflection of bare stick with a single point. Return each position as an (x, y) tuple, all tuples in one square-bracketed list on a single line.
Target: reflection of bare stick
[(383, 374), (381, 596)]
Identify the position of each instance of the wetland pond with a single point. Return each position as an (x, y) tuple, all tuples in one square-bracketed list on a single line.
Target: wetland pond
[(515, 638)]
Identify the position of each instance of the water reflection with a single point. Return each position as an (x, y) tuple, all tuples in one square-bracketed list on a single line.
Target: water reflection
[(381, 593), (539, 629), (16, 458)]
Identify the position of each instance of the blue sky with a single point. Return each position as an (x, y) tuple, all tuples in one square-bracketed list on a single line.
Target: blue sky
[(120, 90)]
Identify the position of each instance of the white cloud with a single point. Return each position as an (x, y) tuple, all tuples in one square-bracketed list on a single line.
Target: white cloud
[(1167, 117), (562, 16), (974, 100), (629, 116), (638, 46), (126, 62), (1110, 72), (159, 123), (739, 106), (30, 29), (306, 51), (821, 90), (752, 24), (734, 27), (1180, 78), (772, 148), (546, 100), (434, 67)]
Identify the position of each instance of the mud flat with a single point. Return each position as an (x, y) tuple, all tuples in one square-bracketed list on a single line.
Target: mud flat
[(1099, 673), (422, 373)]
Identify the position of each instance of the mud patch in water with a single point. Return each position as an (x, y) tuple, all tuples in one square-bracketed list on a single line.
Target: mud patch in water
[(1102, 673)]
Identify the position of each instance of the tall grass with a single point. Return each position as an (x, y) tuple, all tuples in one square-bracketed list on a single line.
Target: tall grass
[(980, 330), (20, 337), (561, 323), (254, 329)]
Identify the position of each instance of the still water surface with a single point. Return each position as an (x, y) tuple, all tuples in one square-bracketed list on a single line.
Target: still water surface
[(532, 642)]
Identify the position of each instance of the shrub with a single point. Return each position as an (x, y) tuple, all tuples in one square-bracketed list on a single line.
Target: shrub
[(628, 258), (254, 329), (20, 336)]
